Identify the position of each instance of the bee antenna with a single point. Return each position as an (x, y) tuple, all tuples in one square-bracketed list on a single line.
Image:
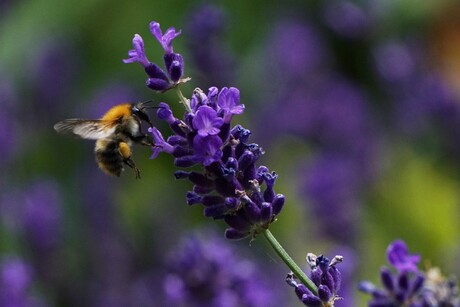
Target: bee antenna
[(152, 107), (145, 102)]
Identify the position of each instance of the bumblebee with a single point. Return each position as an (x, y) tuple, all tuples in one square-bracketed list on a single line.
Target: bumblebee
[(114, 133)]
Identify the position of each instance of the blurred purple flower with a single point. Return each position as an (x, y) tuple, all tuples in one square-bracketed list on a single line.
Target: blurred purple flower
[(331, 184), (409, 286), (54, 72), (107, 96), (399, 257), (15, 284), (212, 60), (296, 50), (15, 276), (111, 270), (331, 113), (35, 213), (426, 102), (206, 271), (422, 99), (347, 18), (394, 62), (42, 216)]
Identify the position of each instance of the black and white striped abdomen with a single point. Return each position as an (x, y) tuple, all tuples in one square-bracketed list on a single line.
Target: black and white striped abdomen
[(108, 156)]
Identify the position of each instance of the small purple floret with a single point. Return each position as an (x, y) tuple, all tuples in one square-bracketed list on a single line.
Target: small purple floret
[(137, 54), (164, 39), (399, 257), (160, 144), (229, 102), (206, 121)]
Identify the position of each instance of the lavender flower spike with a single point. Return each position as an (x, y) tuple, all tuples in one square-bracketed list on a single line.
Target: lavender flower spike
[(408, 286), (229, 186), (325, 276), (159, 79)]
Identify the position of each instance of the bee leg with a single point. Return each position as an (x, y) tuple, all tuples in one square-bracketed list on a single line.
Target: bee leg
[(131, 164), (125, 152), (144, 139)]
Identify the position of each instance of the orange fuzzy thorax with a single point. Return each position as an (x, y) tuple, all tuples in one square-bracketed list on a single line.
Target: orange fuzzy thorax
[(117, 112)]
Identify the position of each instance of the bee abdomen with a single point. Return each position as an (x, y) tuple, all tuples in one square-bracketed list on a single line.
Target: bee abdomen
[(108, 156)]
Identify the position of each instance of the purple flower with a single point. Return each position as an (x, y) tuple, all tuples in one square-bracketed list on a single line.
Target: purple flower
[(347, 18), (394, 61), (296, 50), (42, 216), (206, 121), (403, 287), (166, 38), (325, 276), (399, 257), (159, 79), (15, 275), (330, 183), (408, 286), (15, 283), (207, 149), (53, 73), (207, 46), (205, 271), (231, 186), (138, 53), (35, 214), (107, 96), (160, 144), (229, 103)]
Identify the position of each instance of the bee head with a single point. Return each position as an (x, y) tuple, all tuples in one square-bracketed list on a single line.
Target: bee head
[(138, 110)]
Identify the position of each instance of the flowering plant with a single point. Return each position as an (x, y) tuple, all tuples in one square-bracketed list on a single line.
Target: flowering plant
[(230, 186), (409, 286)]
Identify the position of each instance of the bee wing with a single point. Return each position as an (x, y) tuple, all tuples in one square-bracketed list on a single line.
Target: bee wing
[(86, 128)]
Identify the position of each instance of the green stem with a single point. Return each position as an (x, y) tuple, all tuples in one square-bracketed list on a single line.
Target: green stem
[(289, 262), (184, 100)]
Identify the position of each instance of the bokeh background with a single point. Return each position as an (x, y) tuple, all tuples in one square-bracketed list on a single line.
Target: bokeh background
[(356, 103)]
